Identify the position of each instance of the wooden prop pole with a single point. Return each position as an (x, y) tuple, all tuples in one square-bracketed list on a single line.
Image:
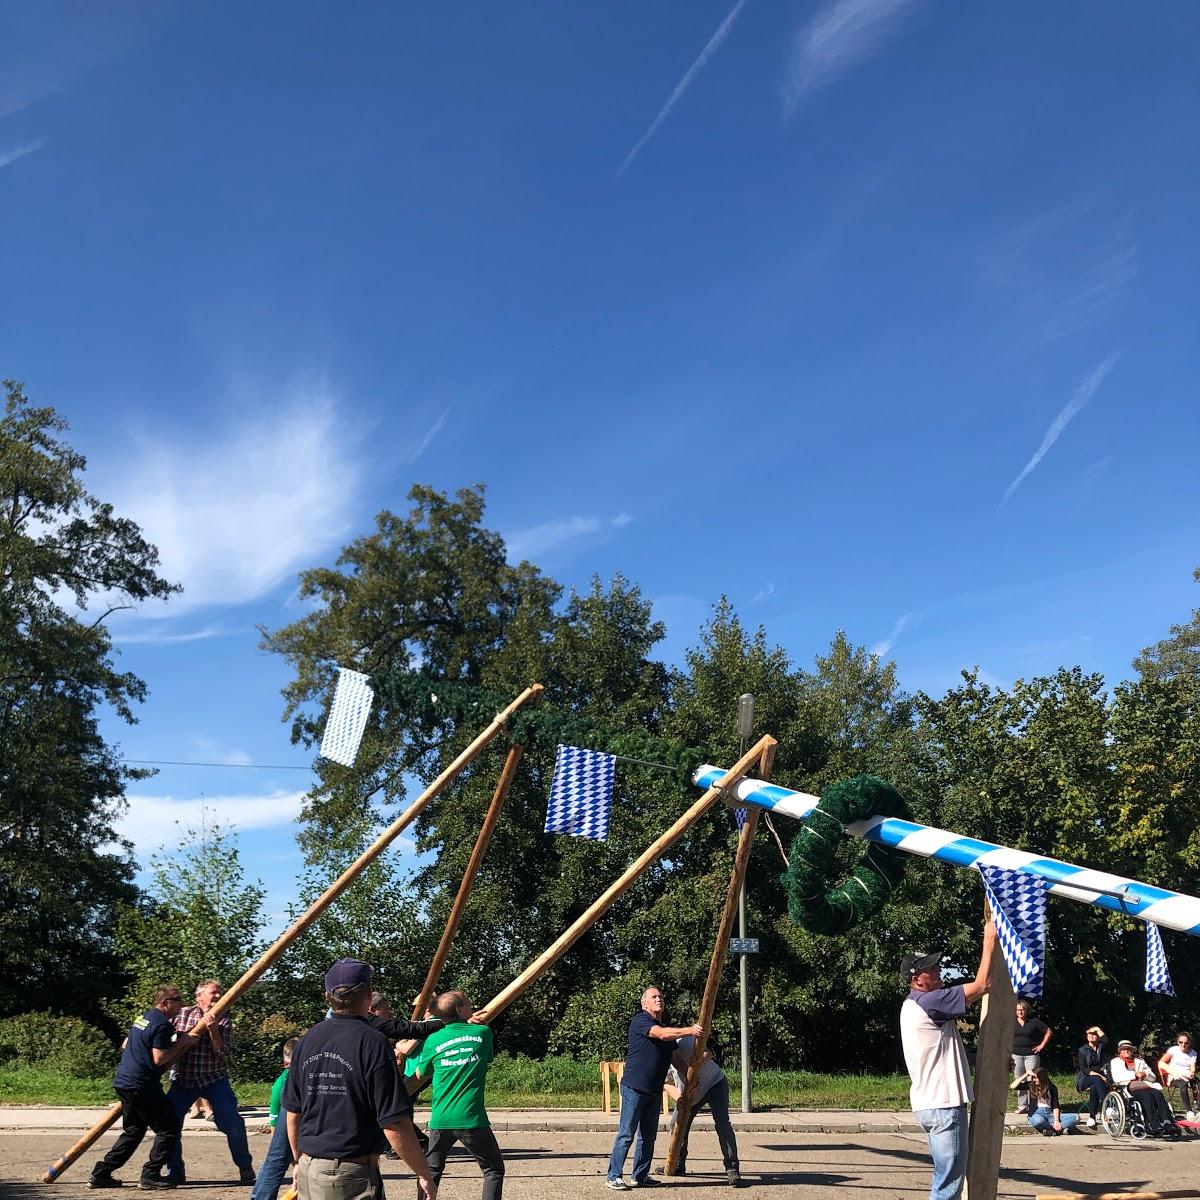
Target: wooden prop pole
[(716, 967), (615, 890), (335, 889), (1173, 1194), (993, 1058), (507, 775)]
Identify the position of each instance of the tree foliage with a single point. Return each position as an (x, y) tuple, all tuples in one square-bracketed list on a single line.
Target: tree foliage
[(1178, 654), (63, 555)]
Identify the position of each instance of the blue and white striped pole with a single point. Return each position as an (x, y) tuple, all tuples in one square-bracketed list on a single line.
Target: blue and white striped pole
[(1128, 896)]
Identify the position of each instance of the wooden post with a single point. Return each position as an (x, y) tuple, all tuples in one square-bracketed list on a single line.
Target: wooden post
[(615, 890), (716, 967), (318, 906), (464, 888), (993, 1058)]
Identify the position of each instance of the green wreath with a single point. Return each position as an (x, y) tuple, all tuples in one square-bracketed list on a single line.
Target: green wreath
[(812, 904)]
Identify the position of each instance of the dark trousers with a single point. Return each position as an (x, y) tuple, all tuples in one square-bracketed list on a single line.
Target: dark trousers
[(1153, 1105), (141, 1111), (1096, 1089), (480, 1144), (717, 1100)]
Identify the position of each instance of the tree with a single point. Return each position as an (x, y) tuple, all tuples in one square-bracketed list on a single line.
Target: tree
[(63, 871), (1177, 654)]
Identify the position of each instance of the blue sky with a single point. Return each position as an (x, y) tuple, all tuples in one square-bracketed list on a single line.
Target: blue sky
[(873, 314)]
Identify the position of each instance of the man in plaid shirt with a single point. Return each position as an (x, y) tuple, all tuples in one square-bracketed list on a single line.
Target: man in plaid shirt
[(205, 1072)]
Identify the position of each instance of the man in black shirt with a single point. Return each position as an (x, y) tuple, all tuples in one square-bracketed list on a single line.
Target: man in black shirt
[(651, 1045), (151, 1047), (343, 1088)]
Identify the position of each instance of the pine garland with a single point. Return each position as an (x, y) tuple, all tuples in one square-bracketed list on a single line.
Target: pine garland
[(812, 904)]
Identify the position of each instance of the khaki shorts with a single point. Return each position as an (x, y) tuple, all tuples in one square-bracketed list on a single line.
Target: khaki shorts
[(336, 1179)]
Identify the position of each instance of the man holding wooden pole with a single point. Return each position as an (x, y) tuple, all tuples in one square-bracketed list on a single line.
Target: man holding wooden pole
[(651, 1046), (937, 1062)]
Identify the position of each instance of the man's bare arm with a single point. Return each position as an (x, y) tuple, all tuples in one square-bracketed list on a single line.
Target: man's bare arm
[(983, 977), (670, 1032), (166, 1058)]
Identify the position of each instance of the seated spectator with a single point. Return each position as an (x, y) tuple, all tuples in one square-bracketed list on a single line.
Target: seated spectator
[(1090, 1074), (1178, 1067), (1130, 1071), (1046, 1115)]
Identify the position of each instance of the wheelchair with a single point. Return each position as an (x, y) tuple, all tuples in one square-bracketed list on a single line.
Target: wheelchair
[(1119, 1114)]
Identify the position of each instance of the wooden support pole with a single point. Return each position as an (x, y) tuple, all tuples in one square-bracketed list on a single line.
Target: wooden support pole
[(716, 967), (993, 1058), (614, 891), (1173, 1194), (318, 906), (507, 775)]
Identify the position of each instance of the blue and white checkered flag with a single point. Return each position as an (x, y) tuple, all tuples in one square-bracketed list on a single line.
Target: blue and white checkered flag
[(739, 815), (1019, 910), (581, 793), (347, 720), (1158, 974)]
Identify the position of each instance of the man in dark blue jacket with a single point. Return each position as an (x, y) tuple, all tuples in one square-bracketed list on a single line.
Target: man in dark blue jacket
[(651, 1045), (151, 1047)]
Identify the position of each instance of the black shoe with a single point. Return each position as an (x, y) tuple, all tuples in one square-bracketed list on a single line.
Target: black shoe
[(680, 1170), (649, 1181), (733, 1177), (104, 1181), (157, 1183), (247, 1176)]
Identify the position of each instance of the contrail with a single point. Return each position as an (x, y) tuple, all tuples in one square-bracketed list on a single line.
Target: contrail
[(714, 44), (1083, 394)]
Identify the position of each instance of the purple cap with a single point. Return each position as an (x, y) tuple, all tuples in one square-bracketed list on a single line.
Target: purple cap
[(345, 974)]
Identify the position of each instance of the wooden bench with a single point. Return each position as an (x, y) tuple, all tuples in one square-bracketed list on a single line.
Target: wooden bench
[(607, 1069)]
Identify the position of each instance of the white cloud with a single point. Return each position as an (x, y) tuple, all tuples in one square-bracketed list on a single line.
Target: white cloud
[(435, 429), (763, 593), (1083, 393), (884, 648), (840, 36), (154, 821), (713, 45), (540, 539), (213, 751), (162, 637), (235, 515), (8, 157)]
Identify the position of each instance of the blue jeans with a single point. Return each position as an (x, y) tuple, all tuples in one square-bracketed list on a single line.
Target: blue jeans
[(946, 1129), (1042, 1119), (274, 1167), (638, 1114), (226, 1117)]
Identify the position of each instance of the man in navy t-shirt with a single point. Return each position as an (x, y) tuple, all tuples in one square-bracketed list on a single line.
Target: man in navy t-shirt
[(150, 1048), (651, 1045), (342, 1089)]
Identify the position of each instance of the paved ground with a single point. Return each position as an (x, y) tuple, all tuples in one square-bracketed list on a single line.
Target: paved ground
[(570, 1164)]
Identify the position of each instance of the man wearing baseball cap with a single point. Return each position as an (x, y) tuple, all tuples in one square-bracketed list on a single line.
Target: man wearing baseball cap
[(937, 1062), (343, 1088)]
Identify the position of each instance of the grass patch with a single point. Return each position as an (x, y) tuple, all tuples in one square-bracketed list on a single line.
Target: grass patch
[(515, 1082)]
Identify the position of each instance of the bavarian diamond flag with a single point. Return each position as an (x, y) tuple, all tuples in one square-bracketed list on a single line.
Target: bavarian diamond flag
[(1158, 974), (352, 700), (1019, 910), (581, 793)]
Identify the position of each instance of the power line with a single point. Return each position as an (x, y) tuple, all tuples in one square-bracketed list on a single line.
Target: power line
[(169, 762)]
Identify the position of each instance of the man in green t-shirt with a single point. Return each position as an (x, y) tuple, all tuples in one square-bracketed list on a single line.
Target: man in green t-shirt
[(457, 1057)]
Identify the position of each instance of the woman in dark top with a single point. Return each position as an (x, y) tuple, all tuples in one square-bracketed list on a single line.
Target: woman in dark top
[(1090, 1063), (1029, 1040)]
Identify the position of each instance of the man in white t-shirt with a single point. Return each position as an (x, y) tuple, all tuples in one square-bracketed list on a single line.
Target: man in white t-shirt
[(937, 1062)]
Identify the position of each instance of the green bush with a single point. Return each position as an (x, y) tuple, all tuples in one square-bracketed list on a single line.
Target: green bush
[(595, 1023), (52, 1042), (258, 1045)]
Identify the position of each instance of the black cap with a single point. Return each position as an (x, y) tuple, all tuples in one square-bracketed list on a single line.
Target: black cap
[(914, 964)]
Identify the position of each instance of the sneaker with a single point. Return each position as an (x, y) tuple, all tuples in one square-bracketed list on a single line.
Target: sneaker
[(1090, 1122), (649, 1181), (156, 1183), (247, 1175), (616, 1185), (104, 1181), (734, 1178), (1191, 1116)]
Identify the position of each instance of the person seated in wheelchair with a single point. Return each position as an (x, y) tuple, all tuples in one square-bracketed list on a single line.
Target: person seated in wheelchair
[(1177, 1068), (1045, 1114), (1131, 1072)]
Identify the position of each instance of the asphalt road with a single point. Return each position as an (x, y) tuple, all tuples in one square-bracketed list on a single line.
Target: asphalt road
[(777, 1167)]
